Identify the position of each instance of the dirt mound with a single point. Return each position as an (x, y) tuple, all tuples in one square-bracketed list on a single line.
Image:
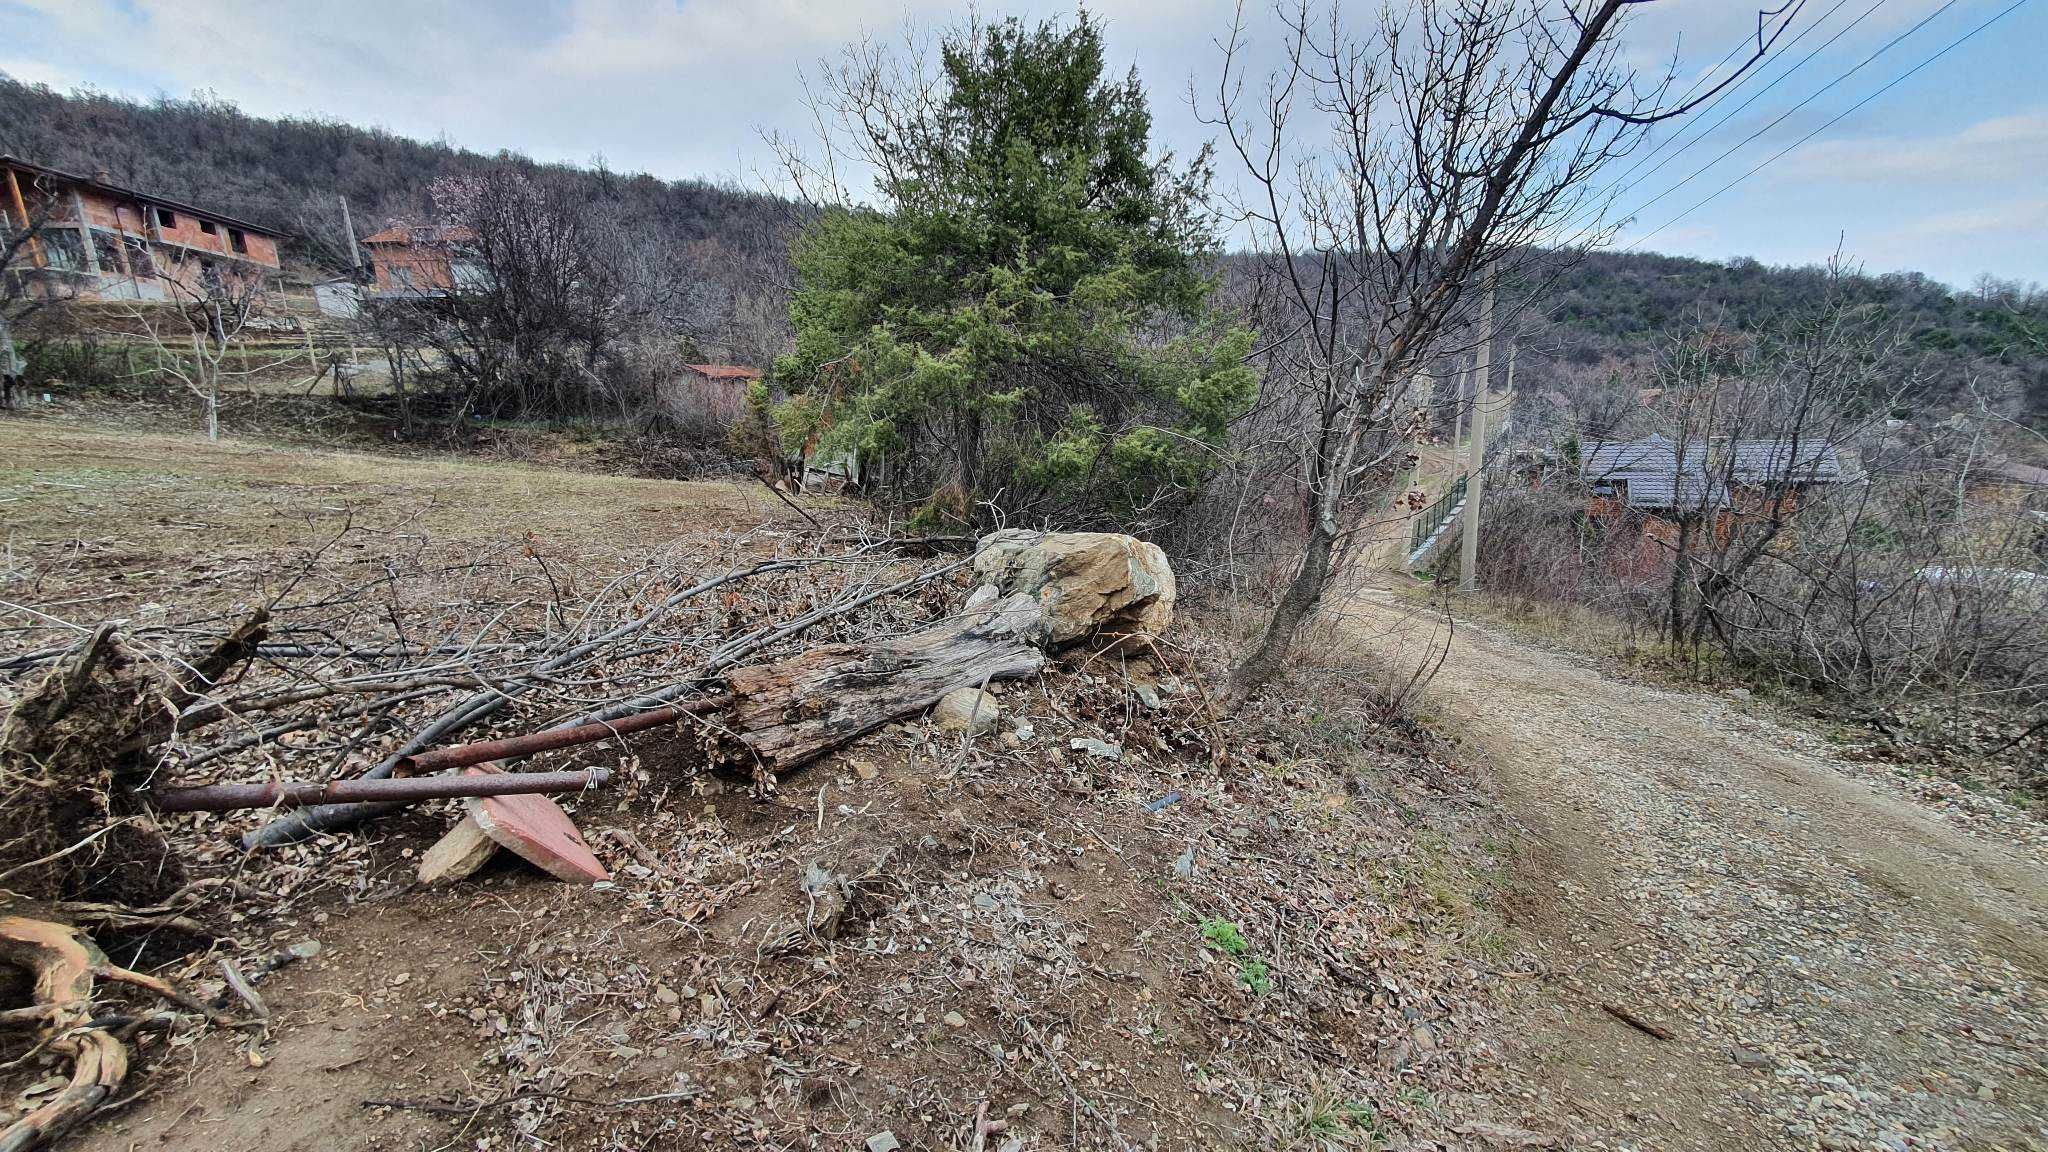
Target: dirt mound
[(1171, 933)]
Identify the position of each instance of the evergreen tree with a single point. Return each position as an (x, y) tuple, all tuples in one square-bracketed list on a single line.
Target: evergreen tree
[(1025, 316)]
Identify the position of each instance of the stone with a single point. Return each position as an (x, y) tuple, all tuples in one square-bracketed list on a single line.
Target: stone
[(968, 710), (884, 1141), (1088, 585), (457, 855), (1749, 1057), (955, 1020), (1099, 749)]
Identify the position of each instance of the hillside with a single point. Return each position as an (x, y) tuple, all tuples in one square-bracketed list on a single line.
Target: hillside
[(1607, 311), (288, 174), (1622, 307)]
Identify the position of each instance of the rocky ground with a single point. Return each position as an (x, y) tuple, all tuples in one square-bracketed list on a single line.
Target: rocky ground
[(1116, 920), (1746, 940)]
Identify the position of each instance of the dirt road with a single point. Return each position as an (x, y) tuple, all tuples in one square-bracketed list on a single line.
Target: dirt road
[(1839, 957)]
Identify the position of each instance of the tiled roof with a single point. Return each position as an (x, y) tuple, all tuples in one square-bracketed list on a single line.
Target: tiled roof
[(135, 195), (421, 234), (725, 371), (1690, 490), (1650, 471)]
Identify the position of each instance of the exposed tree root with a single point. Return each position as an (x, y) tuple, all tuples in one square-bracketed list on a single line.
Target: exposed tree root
[(65, 964)]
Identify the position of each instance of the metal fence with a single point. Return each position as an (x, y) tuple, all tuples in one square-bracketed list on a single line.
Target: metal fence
[(1431, 518)]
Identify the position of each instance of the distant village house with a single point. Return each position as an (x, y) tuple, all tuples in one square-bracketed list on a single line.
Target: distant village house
[(96, 240), (1720, 482), (713, 392), (422, 261)]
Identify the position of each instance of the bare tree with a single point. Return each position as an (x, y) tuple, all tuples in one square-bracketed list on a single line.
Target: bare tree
[(546, 295), (197, 338), (1455, 142)]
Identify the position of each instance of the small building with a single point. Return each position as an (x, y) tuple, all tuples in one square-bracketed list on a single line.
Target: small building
[(96, 240), (707, 395), (1650, 486), (423, 261), (1648, 475)]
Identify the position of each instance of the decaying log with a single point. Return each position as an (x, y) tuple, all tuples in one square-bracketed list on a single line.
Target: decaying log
[(793, 711), (63, 961), (299, 825)]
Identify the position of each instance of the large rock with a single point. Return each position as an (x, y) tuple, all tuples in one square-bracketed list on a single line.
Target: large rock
[(1089, 585)]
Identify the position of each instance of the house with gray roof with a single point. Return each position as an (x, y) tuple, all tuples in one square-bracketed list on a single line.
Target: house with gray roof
[(1653, 475)]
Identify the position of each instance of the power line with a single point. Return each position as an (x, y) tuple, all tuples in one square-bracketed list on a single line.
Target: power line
[(1731, 90), (1846, 113), (1787, 114), (1588, 217)]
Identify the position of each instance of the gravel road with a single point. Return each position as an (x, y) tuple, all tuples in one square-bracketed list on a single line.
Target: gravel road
[(1839, 955)]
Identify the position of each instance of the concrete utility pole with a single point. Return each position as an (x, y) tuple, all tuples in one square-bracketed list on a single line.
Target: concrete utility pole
[(1468, 555), (348, 227), (1458, 409)]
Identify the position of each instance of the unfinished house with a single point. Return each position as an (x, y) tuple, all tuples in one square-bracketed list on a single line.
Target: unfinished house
[(95, 240), (422, 262)]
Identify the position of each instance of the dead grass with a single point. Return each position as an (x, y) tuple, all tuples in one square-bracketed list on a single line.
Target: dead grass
[(174, 492), (1019, 932)]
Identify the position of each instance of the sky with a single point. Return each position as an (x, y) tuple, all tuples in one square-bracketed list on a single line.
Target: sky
[(1942, 172)]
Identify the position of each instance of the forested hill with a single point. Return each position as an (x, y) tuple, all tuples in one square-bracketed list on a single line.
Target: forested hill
[(1991, 338), (1609, 309), (288, 174)]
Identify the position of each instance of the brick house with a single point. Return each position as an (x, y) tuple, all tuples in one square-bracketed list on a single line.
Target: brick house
[(422, 261), (96, 240), (1646, 485)]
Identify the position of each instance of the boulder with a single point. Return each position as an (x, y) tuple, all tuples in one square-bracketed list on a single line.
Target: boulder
[(1089, 585), (969, 710)]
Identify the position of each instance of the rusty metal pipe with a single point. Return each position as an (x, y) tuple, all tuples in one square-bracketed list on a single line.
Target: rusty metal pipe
[(224, 797), (464, 755)]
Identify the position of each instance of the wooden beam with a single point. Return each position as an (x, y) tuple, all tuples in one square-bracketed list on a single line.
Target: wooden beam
[(35, 245)]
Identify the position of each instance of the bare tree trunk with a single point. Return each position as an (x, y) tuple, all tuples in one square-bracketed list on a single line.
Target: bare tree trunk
[(1303, 594)]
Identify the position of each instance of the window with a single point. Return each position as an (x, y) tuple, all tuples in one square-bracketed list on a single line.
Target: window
[(63, 249), (237, 241), (140, 262), (165, 218), (209, 228)]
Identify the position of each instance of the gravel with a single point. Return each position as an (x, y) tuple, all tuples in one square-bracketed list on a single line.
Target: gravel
[(1847, 955)]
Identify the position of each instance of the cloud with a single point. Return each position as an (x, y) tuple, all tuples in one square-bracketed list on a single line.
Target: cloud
[(610, 38), (1998, 149), (2012, 220)]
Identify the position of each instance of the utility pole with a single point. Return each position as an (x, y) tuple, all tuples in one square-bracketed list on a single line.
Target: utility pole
[(348, 228), (1468, 555), (1458, 407)]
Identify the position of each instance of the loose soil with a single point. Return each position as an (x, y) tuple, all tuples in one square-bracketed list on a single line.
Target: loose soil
[(1843, 955), (1276, 932), (1618, 916)]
